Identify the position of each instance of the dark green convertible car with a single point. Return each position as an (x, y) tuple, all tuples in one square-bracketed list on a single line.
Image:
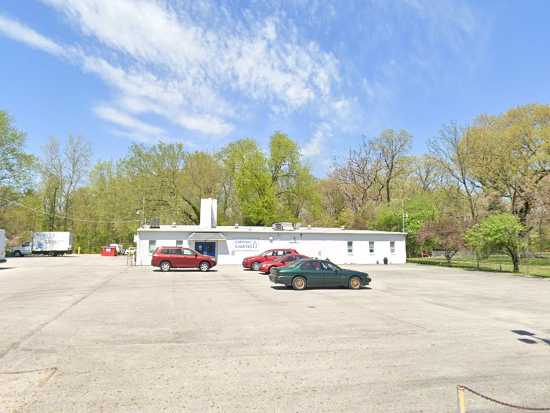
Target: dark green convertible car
[(318, 273)]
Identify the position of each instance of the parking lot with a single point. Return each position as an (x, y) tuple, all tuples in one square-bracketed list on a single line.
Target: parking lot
[(92, 334)]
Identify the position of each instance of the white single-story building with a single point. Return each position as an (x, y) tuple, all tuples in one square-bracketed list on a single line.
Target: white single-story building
[(230, 244)]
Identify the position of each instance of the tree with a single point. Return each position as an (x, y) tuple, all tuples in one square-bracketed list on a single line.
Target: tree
[(201, 178), (249, 192), (358, 177), (392, 147), (496, 233), (453, 155), (511, 155), (15, 164), (332, 202), (166, 182), (426, 171), (293, 184), (446, 233), (420, 208), (62, 170)]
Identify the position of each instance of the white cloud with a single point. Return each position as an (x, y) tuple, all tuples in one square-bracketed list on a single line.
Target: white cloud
[(131, 124), (316, 145), (263, 62), (207, 124), (172, 61), (22, 33), (204, 66)]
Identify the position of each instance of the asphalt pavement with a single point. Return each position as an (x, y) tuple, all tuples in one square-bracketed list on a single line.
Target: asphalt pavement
[(91, 334)]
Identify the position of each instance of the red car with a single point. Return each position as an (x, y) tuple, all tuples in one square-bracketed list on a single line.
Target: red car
[(280, 262), (256, 261), (177, 257)]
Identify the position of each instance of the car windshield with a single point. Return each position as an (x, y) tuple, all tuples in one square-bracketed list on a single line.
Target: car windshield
[(330, 266)]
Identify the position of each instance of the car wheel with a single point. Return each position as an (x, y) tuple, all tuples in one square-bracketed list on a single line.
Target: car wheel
[(256, 266), (299, 283), (204, 266), (17, 254), (355, 283), (165, 266)]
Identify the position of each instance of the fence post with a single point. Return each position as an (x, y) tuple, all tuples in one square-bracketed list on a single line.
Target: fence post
[(461, 405)]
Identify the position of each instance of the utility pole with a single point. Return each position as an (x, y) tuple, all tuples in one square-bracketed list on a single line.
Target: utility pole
[(404, 216)]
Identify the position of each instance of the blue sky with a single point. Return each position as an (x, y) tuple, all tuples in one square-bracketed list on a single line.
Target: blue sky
[(208, 72)]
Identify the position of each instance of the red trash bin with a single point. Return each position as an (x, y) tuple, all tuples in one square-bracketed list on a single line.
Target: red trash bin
[(108, 251)]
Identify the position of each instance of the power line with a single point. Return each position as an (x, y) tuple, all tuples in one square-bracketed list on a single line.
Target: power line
[(95, 221)]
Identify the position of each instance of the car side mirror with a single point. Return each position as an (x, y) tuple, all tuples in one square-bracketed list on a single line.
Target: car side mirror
[(196, 254)]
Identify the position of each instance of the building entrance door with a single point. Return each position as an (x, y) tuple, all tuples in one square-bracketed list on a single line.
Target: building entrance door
[(206, 247)]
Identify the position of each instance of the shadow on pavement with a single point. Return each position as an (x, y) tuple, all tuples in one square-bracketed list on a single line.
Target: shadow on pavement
[(187, 270), (530, 338), (282, 287)]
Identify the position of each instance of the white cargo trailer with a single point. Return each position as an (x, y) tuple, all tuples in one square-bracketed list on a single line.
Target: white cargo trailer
[(52, 243), (2, 245)]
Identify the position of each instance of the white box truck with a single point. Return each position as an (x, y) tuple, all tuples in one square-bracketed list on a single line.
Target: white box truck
[(52, 243), (46, 243), (2, 245)]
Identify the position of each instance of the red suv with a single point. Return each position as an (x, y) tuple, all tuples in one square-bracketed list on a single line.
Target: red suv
[(256, 261), (280, 262), (177, 257)]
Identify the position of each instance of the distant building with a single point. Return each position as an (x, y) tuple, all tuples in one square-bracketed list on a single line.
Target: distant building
[(230, 244)]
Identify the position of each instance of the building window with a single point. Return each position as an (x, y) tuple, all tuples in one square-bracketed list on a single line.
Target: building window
[(371, 247), (179, 243), (392, 247), (152, 245), (350, 247)]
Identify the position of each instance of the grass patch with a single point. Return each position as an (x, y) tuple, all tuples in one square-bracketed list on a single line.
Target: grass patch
[(539, 266)]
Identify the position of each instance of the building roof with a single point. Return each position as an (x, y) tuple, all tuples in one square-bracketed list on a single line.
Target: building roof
[(257, 230)]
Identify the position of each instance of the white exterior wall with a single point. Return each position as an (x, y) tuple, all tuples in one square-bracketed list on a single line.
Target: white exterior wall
[(2, 245), (239, 245)]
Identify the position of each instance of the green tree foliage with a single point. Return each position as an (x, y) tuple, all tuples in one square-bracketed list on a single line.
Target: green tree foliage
[(294, 186), (252, 192), (498, 233), (500, 163), (418, 209), (511, 155), (15, 164)]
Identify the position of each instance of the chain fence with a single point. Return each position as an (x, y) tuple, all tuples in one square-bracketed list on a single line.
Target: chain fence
[(462, 405)]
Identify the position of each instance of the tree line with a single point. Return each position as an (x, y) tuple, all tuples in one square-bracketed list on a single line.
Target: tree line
[(483, 186)]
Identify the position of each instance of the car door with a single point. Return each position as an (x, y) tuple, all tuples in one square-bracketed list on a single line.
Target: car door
[(274, 255), (331, 276), (312, 271), (176, 257), (188, 258)]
